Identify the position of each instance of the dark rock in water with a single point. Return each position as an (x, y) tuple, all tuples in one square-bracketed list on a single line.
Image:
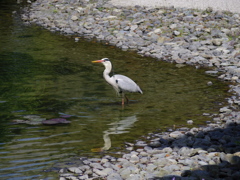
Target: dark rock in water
[(55, 121)]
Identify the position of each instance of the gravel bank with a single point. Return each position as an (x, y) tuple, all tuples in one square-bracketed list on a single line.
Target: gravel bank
[(222, 5), (180, 35)]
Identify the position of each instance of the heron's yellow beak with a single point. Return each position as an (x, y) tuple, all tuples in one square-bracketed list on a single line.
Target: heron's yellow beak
[(97, 61)]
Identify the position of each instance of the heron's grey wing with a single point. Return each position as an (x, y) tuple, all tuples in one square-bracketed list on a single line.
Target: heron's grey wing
[(126, 84)]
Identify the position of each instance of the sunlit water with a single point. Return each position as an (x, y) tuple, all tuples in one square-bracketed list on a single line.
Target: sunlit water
[(45, 75)]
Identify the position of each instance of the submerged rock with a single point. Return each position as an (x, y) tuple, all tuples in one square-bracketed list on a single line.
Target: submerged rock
[(56, 121), (29, 119), (37, 120), (22, 121)]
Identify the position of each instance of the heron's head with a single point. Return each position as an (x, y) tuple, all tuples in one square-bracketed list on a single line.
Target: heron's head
[(105, 61)]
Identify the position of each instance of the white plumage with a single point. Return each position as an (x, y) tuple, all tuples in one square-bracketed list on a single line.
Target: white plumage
[(120, 83)]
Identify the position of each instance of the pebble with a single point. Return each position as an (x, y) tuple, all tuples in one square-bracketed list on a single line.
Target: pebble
[(177, 35)]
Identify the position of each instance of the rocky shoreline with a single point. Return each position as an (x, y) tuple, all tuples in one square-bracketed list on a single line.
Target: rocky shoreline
[(184, 36)]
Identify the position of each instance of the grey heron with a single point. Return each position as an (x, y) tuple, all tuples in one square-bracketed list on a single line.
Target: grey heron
[(120, 83)]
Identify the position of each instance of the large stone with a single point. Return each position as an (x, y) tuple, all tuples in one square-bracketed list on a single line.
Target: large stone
[(176, 134), (217, 42), (74, 18)]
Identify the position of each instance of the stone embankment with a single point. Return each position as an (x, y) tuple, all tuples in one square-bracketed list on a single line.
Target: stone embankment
[(184, 36)]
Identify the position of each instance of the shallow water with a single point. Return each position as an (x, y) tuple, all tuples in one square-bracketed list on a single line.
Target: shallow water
[(46, 75)]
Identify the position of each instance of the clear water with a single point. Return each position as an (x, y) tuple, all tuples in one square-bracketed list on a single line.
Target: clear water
[(48, 75)]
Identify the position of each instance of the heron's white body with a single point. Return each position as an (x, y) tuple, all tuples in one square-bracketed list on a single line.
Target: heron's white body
[(120, 83)]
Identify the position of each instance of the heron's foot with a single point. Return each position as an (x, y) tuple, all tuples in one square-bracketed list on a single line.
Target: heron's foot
[(127, 101)]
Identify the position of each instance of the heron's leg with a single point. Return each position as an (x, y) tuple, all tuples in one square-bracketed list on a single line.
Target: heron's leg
[(126, 99), (123, 96)]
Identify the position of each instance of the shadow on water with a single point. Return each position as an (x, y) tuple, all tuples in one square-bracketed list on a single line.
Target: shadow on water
[(45, 75)]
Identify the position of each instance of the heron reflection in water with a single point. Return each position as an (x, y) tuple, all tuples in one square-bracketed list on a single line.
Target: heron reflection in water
[(118, 127)]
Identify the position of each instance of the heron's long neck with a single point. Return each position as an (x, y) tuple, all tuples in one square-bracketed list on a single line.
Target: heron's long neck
[(106, 72)]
